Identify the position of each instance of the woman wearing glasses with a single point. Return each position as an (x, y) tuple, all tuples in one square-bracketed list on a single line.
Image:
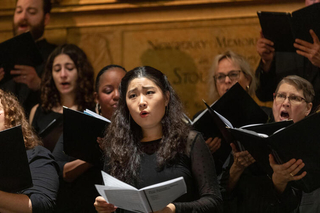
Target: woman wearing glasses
[(252, 190), (228, 69)]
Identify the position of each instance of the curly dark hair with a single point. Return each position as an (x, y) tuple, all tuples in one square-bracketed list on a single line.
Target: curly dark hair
[(50, 96), (124, 134), (14, 116)]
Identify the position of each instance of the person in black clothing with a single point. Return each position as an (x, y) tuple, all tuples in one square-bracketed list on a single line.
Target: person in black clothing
[(228, 69), (274, 66), (147, 143), (243, 182), (77, 190), (33, 16), (67, 81), (41, 197)]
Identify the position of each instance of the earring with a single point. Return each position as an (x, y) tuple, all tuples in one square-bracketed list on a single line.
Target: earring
[(248, 86), (98, 108), (167, 109)]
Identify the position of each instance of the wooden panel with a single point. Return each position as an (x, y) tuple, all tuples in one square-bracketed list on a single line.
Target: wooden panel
[(185, 52), (179, 37)]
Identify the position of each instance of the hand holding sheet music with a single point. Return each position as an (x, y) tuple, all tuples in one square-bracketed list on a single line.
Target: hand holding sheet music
[(283, 28), (284, 173), (148, 199), (19, 50), (299, 140)]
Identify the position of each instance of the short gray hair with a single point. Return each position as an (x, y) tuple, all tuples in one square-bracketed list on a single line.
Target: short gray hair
[(300, 84)]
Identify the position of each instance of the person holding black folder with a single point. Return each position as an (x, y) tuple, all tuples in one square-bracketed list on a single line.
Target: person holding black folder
[(33, 16), (67, 81), (274, 65), (245, 182), (79, 176), (148, 142), (40, 197), (228, 69)]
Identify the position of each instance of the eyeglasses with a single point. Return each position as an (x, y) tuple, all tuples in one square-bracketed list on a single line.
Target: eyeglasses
[(233, 76), (293, 99)]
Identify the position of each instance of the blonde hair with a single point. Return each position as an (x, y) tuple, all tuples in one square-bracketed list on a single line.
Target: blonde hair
[(237, 60), (14, 116)]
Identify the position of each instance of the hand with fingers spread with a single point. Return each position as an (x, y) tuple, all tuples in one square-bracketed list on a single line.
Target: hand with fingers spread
[(1, 73), (283, 173), (213, 144), (241, 160), (102, 206), (309, 50), (266, 51), (26, 75)]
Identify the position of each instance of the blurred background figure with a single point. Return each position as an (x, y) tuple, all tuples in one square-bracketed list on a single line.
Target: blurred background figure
[(33, 16), (41, 197)]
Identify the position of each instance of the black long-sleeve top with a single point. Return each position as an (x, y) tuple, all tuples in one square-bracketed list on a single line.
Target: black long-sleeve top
[(255, 192), (197, 169), (44, 173)]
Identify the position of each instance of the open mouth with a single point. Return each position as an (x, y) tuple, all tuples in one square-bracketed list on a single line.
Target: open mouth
[(144, 114), (23, 26), (65, 83), (284, 115)]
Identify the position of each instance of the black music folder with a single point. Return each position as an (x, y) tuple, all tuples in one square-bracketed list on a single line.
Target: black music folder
[(236, 106), (14, 167), (19, 50), (224, 125), (239, 109), (51, 134), (80, 132), (299, 140), (283, 28)]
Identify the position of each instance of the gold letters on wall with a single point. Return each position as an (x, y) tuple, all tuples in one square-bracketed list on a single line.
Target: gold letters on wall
[(180, 40)]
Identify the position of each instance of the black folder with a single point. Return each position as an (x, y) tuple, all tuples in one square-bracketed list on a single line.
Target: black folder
[(236, 106), (299, 140), (239, 108), (52, 133), (19, 50), (80, 132), (14, 167), (283, 28)]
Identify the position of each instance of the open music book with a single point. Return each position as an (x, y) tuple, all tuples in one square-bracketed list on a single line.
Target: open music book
[(80, 132), (239, 108), (283, 28), (19, 50), (299, 141), (14, 167), (148, 199)]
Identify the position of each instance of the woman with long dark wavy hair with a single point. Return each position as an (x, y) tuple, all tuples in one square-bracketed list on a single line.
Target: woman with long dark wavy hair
[(67, 81), (147, 142), (41, 196)]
